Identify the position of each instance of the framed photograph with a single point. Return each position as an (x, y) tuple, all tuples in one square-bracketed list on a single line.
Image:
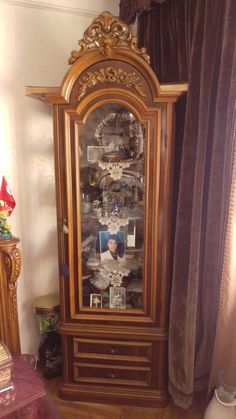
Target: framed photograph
[(95, 153), (131, 233), (96, 300), (112, 246), (117, 297)]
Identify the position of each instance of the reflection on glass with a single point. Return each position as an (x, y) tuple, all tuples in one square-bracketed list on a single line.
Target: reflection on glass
[(112, 159)]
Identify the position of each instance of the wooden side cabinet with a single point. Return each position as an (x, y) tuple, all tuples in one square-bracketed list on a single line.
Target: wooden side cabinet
[(10, 264), (114, 142)]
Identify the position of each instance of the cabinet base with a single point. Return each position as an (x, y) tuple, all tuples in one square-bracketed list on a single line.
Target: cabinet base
[(109, 395)]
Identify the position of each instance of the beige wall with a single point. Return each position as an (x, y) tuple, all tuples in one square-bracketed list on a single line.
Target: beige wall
[(36, 39)]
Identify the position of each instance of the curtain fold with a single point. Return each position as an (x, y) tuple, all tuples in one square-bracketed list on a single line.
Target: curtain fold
[(166, 31), (128, 11), (130, 8), (194, 41)]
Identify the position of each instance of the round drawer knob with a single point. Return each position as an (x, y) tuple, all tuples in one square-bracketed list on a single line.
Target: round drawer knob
[(113, 351)]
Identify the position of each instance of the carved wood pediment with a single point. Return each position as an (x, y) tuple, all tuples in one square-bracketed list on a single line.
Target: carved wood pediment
[(107, 33)]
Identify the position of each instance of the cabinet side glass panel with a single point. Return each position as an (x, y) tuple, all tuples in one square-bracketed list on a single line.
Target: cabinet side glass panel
[(112, 183)]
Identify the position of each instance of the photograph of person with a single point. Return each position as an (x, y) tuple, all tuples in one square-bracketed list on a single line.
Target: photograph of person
[(112, 246), (95, 300), (117, 297)]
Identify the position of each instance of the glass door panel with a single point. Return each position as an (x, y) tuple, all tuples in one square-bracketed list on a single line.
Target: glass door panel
[(112, 183)]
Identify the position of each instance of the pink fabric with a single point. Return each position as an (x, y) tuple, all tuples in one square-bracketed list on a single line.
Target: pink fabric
[(28, 398)]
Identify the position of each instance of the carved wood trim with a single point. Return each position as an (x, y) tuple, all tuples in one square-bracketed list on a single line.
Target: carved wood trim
[(12, 261), (10, 265), (107, 33), (110, 75)]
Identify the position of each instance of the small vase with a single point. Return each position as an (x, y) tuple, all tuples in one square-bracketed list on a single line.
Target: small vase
[(219, 410), (223, 403)]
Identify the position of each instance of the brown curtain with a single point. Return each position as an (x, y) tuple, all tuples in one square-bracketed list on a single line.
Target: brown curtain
[(202, 207), (169, 42), (130, 8), (194, 41)]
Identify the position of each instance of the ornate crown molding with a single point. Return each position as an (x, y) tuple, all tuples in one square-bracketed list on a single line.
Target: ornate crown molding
[(51, 7), (107, 32)]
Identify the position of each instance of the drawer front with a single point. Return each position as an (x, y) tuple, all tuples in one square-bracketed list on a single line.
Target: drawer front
[(112, 374), (111, 349)]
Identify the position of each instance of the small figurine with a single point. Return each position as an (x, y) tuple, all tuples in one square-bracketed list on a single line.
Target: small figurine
[(7, 204), (5, 229)]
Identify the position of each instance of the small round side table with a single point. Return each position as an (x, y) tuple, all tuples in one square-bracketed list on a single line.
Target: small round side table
[(47, 310)]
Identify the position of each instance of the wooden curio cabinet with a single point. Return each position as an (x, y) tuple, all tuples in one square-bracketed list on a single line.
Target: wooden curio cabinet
[(113, 131)]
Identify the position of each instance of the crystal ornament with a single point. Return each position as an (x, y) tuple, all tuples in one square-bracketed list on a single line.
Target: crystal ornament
[(113, 223), (115, 169)]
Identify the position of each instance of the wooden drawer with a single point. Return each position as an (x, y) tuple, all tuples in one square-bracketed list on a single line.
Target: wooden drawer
[(111, 349), (112, 374)]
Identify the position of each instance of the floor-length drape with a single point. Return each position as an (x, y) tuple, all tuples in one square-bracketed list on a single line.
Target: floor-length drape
[(194, 40), (202, 209)]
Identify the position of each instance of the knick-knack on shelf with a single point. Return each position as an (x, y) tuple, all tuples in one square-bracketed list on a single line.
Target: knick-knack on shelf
[(7, 204), (5, 228)]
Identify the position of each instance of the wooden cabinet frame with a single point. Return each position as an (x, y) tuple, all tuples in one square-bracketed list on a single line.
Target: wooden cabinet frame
[(108, 69)]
